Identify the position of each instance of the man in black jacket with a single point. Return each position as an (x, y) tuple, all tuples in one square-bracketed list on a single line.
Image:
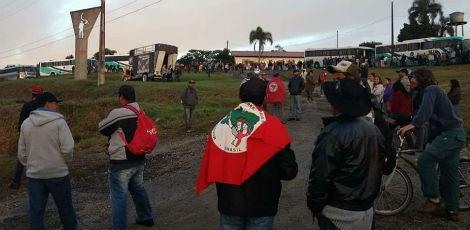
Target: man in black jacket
[(296, 86), (189, 100), (27, 108), (254, 203), (347, 162)]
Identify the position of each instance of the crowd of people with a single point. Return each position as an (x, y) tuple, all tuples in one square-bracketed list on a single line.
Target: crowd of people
[(248, 152)]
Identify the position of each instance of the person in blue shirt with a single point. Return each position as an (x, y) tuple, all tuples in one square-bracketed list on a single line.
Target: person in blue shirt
[(446, 139)]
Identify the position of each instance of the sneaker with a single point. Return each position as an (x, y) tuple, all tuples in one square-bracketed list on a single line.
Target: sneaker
[(148, 223), (290, 119), (452, 216), (429, 207), (297, 119), (15, 185), (189, 131)]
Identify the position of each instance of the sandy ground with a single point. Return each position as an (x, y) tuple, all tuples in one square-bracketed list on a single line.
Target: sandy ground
[(170, 177)]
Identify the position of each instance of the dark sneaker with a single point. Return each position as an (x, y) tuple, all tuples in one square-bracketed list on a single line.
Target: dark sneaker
[(291, 119), (453, 216), (429, 207), (14, 185), (297, 119), (148, 223)]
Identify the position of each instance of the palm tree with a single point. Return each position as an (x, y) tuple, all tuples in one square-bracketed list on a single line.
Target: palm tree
[(260, 37), (424, 11)]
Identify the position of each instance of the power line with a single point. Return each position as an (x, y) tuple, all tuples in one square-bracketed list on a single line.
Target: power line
[(60, 32), (109, 21)]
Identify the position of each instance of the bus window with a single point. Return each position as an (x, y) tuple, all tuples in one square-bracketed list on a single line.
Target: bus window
[(401, 48), (413, 46), (427, 45)]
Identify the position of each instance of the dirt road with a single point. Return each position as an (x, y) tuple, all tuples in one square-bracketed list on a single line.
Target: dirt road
[(170, 177)]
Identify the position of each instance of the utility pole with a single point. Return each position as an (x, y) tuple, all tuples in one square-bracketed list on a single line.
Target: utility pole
[(227, 44), (393, 36), (101, 69), (337, 39)]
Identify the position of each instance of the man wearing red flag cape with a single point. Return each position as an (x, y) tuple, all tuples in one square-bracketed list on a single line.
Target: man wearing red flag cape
[(247, 155)]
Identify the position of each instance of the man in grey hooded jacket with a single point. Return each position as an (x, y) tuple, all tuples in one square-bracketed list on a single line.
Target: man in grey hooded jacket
[(44, 147)]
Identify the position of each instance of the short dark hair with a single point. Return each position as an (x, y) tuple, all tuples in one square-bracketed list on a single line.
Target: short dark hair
[(424, 77), (253, 90), (127, 92), (454, 83)]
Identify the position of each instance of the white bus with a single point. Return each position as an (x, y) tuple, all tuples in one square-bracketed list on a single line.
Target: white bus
[(411, 49), (18, 72), (317, 58), (63, 67)]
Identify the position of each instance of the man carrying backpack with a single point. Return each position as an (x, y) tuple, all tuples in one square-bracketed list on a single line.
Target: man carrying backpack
[(126, 168)]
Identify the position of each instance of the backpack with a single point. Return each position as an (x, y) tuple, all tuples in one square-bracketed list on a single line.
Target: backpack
[(145, 137)]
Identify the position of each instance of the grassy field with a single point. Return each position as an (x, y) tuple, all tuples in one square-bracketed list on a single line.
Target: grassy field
[(85, 105)]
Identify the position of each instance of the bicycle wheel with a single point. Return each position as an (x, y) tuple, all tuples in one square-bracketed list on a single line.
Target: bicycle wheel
[(464, 170), (394, 197)]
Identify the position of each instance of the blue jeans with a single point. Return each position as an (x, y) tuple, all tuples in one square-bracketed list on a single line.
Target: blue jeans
[(122, 181), (246, 223), (295, 106), (60, 189), (188, 116)]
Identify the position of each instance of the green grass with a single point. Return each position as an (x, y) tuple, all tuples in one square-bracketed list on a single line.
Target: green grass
[(85, 104)]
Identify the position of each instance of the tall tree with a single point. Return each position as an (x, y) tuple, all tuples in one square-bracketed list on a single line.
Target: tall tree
[(260, 37), (106, 52), (70, 56), (426, 19)]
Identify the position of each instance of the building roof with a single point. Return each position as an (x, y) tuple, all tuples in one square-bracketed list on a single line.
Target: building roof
[(268, 54)]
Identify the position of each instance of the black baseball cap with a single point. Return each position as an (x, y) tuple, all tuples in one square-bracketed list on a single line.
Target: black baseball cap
[(45, 97)]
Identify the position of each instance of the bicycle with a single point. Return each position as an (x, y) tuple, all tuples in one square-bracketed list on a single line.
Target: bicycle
[(396, 192)]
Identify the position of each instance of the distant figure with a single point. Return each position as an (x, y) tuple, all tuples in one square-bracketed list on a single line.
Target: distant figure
[(27, 108), (310, 85), (44, 147), (296, 86), (81, 26), (276, 96), (455, 94), (189, 101), (322, 78)]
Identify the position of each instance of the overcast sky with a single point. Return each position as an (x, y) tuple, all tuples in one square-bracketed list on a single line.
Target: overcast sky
[(31, 30)]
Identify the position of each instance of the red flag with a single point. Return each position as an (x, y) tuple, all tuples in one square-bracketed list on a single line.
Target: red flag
[(239, 145)]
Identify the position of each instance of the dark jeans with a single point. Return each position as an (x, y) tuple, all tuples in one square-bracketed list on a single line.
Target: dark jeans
[(19, 169), (122, 181), (188, 116), (246, 223), (60, 189), (444, 151)]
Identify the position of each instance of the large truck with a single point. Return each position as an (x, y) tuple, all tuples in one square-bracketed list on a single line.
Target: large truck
[(147, 62)]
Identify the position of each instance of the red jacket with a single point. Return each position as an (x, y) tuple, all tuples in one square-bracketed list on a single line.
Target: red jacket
[(322, 77), (401, 103), (276, 91)]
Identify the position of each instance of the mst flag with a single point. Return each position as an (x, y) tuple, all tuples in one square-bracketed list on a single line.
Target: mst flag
[(240, 144)]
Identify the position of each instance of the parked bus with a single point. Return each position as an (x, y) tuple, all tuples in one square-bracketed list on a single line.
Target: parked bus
[(148, 61), (56, 68), (411, 49), (117, 63), (316, 58), (18, 72)]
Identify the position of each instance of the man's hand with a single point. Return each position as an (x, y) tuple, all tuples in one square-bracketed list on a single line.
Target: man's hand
[(405, 129)]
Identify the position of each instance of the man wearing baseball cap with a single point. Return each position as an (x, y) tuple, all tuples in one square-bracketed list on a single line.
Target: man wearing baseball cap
[(27, 108), (344, 69), (44, 147)]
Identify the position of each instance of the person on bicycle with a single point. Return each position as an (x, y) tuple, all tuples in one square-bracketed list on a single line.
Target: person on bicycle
[(446, 138)]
